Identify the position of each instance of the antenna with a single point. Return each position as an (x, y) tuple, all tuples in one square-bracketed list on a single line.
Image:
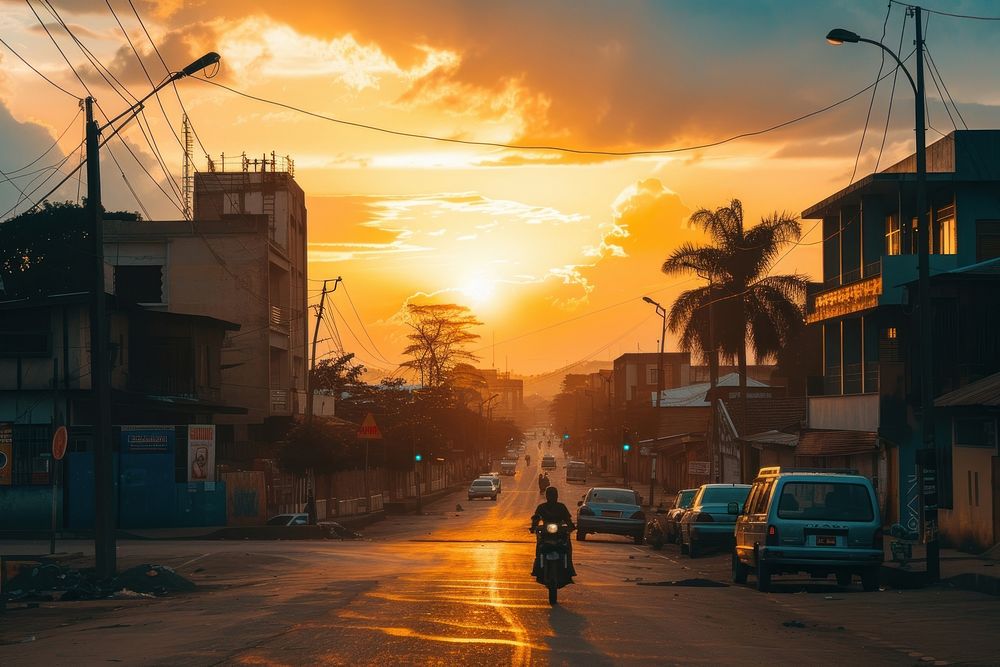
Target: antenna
[(187, 180)]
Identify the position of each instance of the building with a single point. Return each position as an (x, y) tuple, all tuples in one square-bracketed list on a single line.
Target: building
[(635, 376), (165, 377), (242, 259), (867, 400)]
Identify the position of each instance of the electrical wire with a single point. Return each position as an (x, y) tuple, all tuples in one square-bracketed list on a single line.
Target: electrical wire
[(561, 149), (871, 102), (951, 14), (934, 69), (892, 93), (32, 68), (343, 285)]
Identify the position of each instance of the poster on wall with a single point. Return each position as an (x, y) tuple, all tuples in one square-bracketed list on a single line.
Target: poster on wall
[(201, 452), (6, 453)]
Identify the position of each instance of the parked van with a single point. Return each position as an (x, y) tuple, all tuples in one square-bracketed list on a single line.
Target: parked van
[(576, 471), (820, 522)]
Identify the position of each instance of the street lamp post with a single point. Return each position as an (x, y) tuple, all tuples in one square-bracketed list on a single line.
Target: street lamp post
[(105, 504), (837, 37), (661, 311)]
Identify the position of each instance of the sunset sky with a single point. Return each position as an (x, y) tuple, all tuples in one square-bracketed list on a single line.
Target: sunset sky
[(551, 250)]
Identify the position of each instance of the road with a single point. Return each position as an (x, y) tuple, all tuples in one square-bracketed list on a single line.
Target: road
[(452, 588)]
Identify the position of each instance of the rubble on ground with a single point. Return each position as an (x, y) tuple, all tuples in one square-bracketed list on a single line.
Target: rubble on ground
[(48, 582)]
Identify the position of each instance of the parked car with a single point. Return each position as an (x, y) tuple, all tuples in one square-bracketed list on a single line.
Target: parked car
[(548, 462), (613, 511), (664, 526), (711, 519), (497, 481), (820, 522), (298, 519), (483, 488)]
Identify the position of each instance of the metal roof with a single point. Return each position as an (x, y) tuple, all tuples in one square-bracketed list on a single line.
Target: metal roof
[(981, 392), (816, 442)]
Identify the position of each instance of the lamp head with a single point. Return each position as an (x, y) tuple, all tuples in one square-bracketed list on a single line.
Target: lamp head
[(206, 60), (648, 300), (838, 36)]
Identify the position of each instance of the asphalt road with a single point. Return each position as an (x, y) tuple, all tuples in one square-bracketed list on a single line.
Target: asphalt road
[(452, 588)]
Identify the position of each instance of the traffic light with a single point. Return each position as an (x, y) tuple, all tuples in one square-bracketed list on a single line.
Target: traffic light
[(626, 447), (565, 436), (418, 458)]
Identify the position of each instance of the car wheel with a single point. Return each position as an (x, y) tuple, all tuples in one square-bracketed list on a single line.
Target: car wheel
[(869, 579), (639, 539), (740, 571), (843, 579), (763, 577), (470, 498), (580, 536), (693, 549)]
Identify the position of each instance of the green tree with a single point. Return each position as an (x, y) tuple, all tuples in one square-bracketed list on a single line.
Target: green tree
[(439, 335), (747, 305)]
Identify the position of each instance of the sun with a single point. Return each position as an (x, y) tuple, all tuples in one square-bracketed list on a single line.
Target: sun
[(479, 290)]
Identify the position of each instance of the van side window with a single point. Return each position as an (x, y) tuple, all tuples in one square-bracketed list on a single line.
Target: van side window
[(760, 502), (752, 498)]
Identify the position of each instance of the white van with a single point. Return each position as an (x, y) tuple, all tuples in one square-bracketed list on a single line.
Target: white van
[(576, 471)]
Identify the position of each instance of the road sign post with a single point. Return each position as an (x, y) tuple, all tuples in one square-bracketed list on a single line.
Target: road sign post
[(368, 431), (60, 439)]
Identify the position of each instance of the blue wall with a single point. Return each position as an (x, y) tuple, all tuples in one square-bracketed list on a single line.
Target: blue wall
[(25, 507)]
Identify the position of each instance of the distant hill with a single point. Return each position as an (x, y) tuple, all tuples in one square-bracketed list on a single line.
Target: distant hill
[(547, 385)]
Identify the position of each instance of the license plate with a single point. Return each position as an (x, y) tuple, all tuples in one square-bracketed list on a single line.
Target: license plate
[(552, 556), (826, 541), (610, 513)]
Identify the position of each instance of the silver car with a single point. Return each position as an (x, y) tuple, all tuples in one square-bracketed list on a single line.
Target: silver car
[(482, 488), (613, 511)]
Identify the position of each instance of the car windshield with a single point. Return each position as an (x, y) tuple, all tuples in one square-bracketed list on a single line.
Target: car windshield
[(685, 498), (281, 520), (725, 494), (619, 496), (482, 482), (825, 501)]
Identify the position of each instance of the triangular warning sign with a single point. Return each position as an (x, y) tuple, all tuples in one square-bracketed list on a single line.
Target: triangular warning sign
[(369, 429)]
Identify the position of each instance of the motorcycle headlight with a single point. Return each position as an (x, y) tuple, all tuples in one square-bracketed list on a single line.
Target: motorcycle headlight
[(551, 528)]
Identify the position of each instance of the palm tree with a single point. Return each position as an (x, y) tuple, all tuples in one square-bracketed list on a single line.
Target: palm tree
[(743, 302)]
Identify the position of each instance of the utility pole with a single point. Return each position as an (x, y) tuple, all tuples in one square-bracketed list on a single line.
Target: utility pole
[(105, 550), (312, 359), (929, 467)]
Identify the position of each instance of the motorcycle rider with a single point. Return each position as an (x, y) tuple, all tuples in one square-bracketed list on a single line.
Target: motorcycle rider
[(552, 511), (543, 482), (527, 459)]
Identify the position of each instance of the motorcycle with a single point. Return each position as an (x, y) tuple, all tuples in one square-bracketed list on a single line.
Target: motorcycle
[(543, 484), (553, 557)]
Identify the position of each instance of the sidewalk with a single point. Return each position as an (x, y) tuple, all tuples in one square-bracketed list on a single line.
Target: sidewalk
[(970, 572)]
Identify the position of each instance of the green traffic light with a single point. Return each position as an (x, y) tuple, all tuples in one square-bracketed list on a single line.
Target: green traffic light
[(626, 447), (418, 457)]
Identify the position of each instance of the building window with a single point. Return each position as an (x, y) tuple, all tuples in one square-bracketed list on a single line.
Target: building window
[(971, 432), (947, 236), (893, 235), (651, 374), (987, 239), (890, 333), (26, 334), (142, 283)]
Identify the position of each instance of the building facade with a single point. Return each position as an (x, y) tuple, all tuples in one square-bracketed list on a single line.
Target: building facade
[(868, 395), (242, 259)]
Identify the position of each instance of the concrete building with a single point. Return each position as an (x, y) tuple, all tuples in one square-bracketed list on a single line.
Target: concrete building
[(242, 259), (867, 400)]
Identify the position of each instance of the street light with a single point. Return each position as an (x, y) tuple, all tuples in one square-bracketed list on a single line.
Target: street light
[(662, 312), (105, 555), (837, 37)]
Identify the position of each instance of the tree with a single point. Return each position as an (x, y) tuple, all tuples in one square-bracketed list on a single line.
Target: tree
[(746, 304), (440, 332), (48, 250), (337, 375)]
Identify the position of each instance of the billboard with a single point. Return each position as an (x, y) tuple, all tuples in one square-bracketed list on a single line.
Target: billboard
[(201, 453)]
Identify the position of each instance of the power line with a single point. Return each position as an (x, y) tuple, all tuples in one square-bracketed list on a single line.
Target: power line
[(892, 92), (934, 69), (562, 149), (871, 102), (951, 14), (361, 322), (32, 68)]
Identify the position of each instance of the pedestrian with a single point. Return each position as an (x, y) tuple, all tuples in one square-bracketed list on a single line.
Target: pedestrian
[(310, 508)]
